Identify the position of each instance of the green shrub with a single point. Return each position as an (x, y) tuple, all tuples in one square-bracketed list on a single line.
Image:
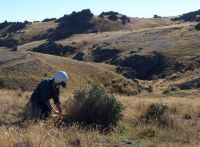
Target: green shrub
[(95, 107), (3, 83), (157, 113)]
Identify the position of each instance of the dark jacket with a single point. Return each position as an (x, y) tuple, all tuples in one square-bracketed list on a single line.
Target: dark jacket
[(44, 92)]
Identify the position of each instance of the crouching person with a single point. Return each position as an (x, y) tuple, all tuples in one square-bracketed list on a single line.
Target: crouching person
[(46, 90)]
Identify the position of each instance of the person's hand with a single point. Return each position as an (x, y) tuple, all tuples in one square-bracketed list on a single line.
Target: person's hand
[(56, 112), (59, 112)]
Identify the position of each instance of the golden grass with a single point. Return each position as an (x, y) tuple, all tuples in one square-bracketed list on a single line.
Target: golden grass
[(45, 134), (33, 30), (183, 132), (135, 106), (31, 45)]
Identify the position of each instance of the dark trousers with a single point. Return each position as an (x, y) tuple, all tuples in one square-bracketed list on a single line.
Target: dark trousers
[(40, 111)]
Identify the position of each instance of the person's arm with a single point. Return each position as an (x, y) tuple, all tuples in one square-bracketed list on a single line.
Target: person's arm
[(56, 100), (58, 108)]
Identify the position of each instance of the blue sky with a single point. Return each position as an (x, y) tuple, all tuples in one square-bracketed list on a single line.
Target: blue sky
[(20, 10)]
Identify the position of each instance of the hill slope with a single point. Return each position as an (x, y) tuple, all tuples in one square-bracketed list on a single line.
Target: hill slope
[(25, 70), (142, 54)]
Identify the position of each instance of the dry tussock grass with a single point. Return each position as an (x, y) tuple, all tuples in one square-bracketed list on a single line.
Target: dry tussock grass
[(47, 135), (184, 132), (137, 105), (183, 111), (44, 134)]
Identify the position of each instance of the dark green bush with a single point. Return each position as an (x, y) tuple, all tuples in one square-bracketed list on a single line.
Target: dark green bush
[(3, 83), (157, 113), (197, 27), (95, 107)]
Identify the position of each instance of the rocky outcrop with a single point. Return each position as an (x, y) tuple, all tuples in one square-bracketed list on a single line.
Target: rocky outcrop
[(79, 56), (125, 19), (75, 23), (110, 13), (142, 67), (8, 43), (49, 19), (54, 49), (115, 16), (13, 27), (192, 16), (190, 85), (105, 54), (157, 16)]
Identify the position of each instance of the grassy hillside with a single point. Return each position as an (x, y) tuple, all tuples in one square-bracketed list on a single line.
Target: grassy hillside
[(25, 70), (141, 47), (149, 53)]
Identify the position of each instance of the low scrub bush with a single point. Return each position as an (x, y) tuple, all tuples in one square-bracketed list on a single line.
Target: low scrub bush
[(157, 113), (95, 107)]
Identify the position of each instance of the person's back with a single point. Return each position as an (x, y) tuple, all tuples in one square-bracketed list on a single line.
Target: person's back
[(44, 92)]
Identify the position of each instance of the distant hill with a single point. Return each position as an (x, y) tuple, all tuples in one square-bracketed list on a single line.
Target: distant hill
[(191, 16), (136, 48), (55, 29), (76, 23)]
